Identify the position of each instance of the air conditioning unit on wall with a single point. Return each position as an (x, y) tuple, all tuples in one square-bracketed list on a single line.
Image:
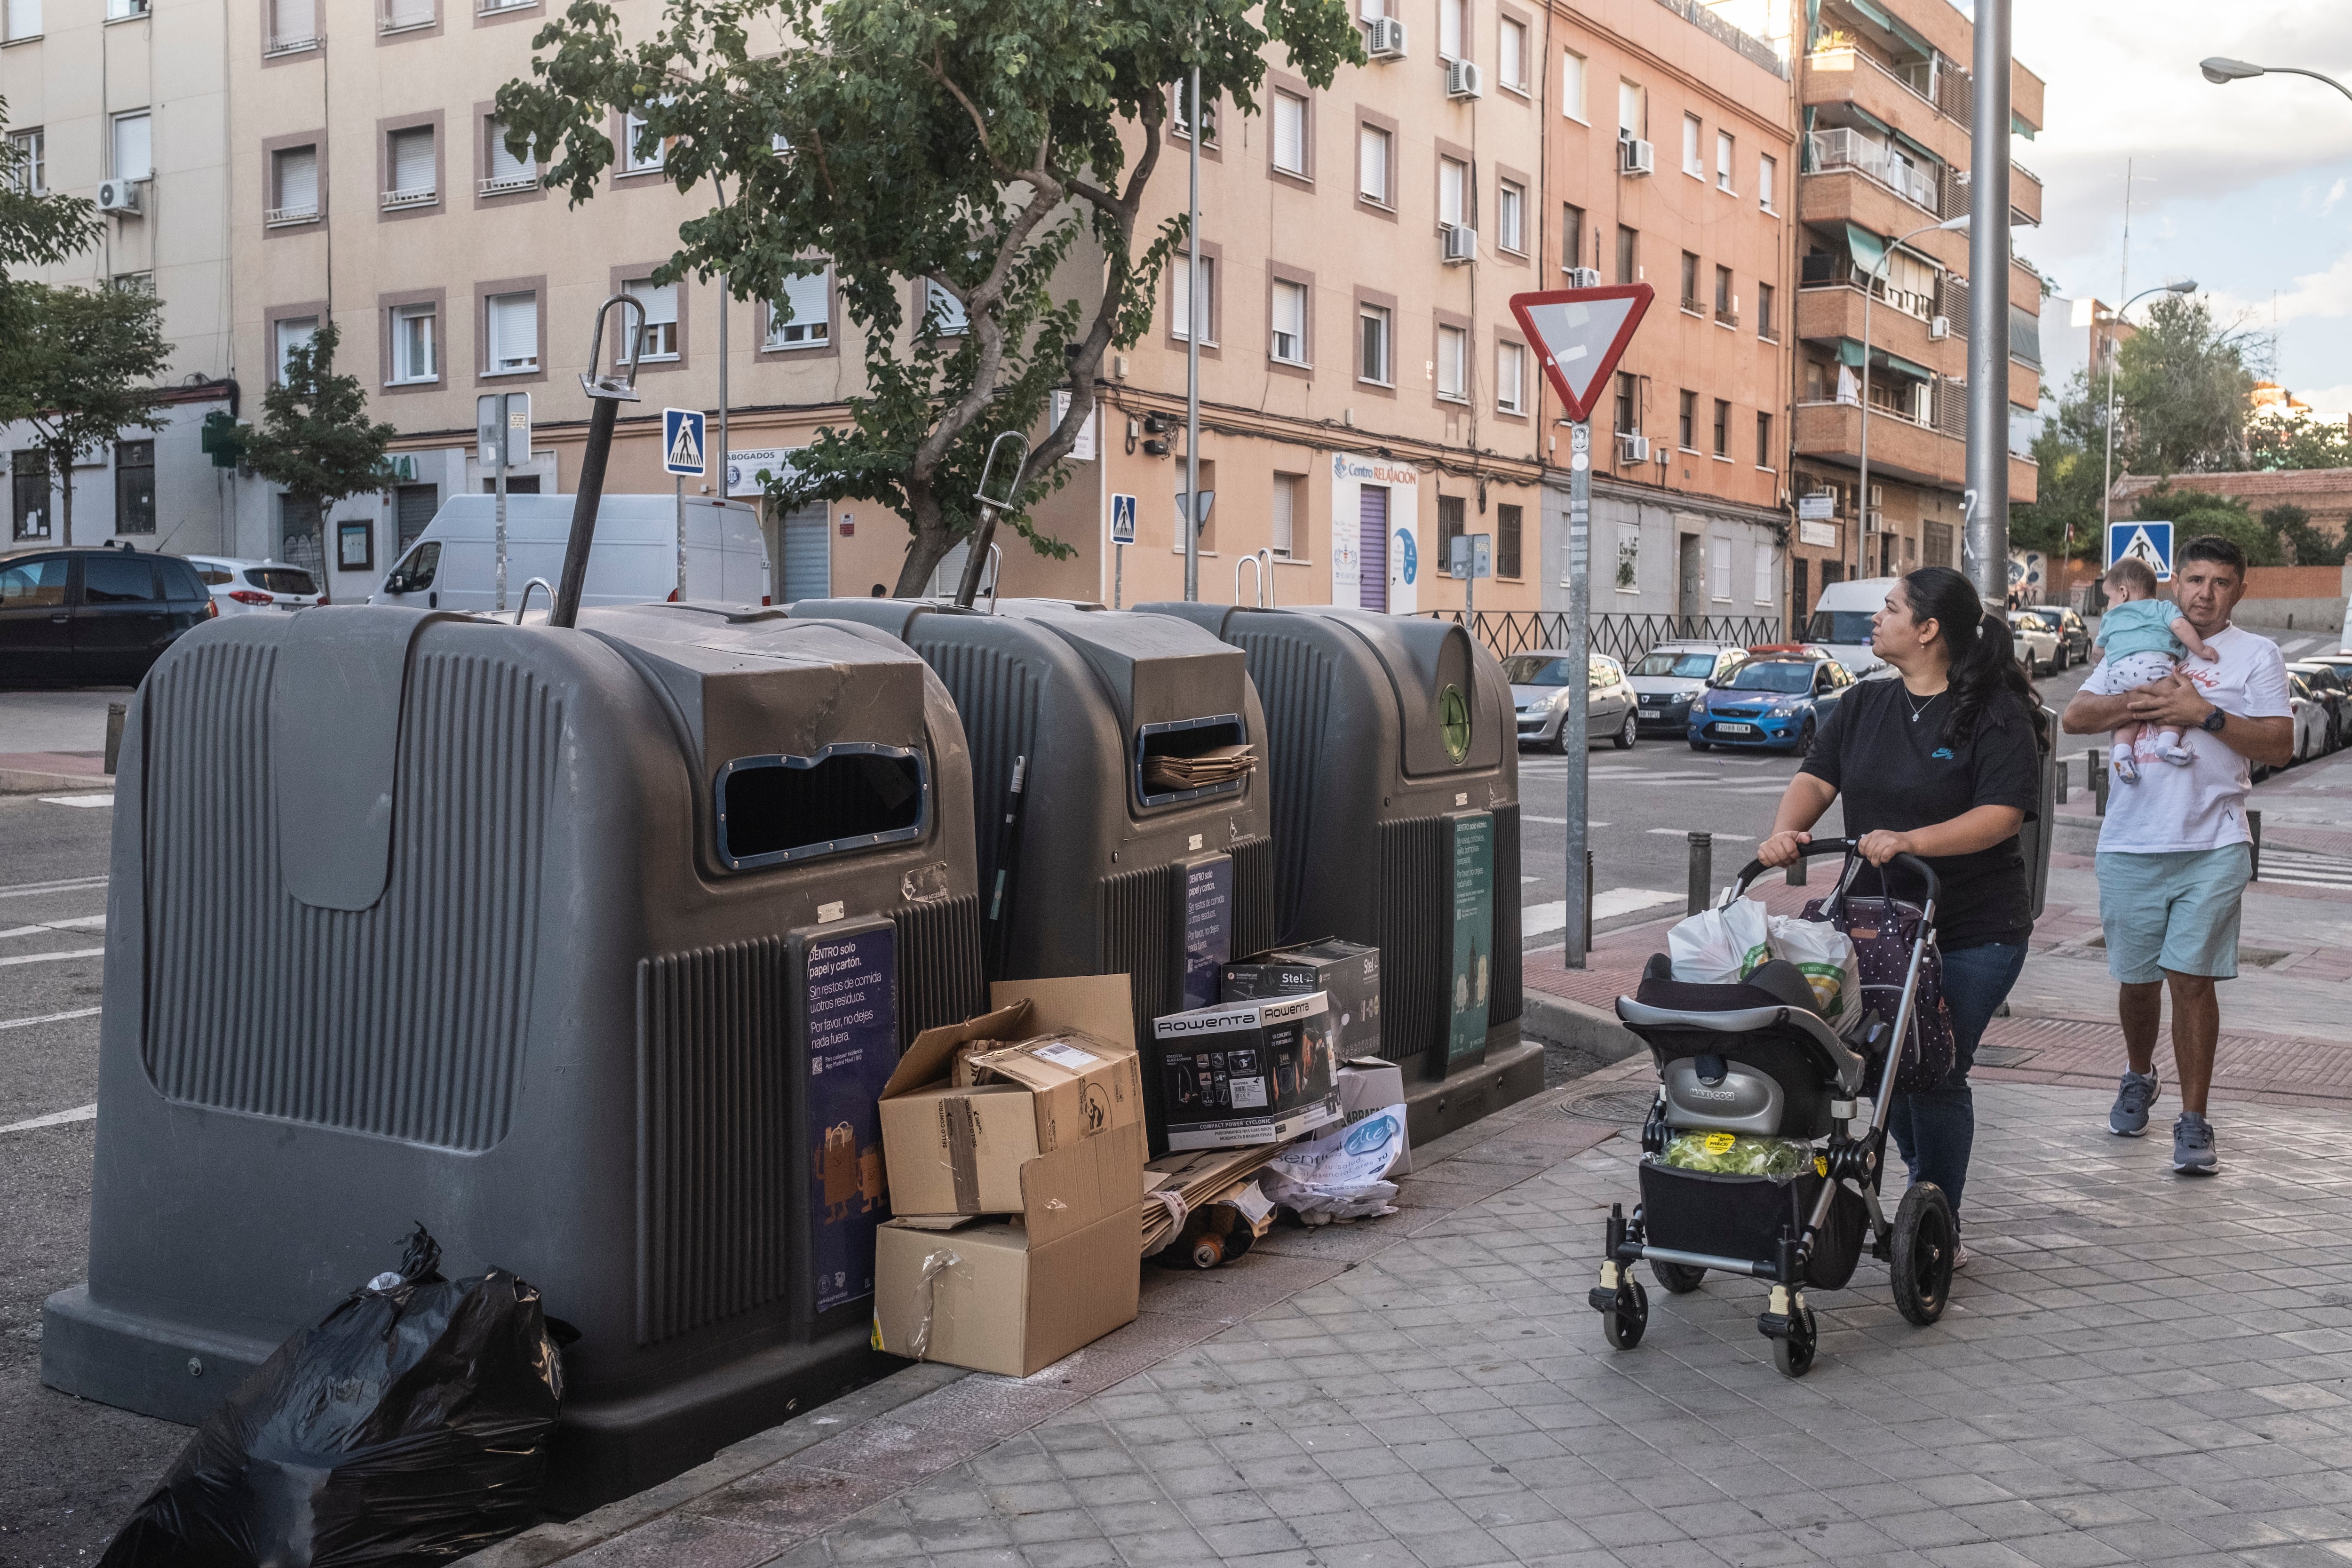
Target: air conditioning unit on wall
[(1632, 449), (1635, 156), (1463, 80), (1461, 244), (1386, 39), (118, 195), (1584, 277), (1939, 329)]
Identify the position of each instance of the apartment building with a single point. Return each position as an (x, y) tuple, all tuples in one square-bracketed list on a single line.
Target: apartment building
[(1883, 294), (125, 101), (1672, 153)]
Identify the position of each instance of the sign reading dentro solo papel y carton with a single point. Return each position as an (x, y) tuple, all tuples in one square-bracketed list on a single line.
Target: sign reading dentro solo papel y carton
[(1375, 515)]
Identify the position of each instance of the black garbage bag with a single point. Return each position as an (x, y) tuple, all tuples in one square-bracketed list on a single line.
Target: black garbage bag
[(411, 1424)]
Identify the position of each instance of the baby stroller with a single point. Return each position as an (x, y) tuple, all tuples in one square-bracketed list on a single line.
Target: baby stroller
[(1755, 1058)]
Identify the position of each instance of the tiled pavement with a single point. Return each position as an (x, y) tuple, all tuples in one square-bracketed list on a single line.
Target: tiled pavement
[(2138, 1368)]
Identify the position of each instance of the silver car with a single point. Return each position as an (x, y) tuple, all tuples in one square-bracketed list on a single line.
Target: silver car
[(1539, 691), (1669, 677)]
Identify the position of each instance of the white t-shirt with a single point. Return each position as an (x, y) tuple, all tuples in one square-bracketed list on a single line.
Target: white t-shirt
[(2203, 804)]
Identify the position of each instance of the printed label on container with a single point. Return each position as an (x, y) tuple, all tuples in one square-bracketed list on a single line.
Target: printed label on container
[(850, 995)]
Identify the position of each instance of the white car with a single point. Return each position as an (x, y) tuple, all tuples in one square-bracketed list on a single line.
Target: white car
[(255, 587), (2037, 644)]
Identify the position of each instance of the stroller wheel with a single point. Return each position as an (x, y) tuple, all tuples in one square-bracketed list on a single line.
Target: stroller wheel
[(1921, 1260), (1681, 1279), (1623, 1323), (1792, 1352)]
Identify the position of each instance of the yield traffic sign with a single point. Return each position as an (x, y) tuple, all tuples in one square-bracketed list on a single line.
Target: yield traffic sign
[(1579, 334), (2141, 541), (682, 446)]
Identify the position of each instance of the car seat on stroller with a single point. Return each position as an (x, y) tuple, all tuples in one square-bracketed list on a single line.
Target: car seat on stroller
[(1754, 1057)]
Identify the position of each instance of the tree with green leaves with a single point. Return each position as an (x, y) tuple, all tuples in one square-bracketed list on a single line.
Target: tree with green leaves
[(36, 228), (2071, 464), (2306, 544), (315, 439), (78, 368), (2192, 512), (2183, 383), (996, 152), (2301, 442)]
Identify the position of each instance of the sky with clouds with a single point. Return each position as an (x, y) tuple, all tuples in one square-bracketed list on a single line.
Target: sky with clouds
[(2242, 187)]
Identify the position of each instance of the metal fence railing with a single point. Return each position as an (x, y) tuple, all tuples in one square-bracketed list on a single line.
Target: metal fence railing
[(1622, 637)]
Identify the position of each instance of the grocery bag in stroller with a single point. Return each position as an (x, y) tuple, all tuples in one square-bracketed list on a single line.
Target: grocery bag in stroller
[(1882, 931)]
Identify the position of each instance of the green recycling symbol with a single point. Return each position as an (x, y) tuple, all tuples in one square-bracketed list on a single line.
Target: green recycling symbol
[(1453, 722)]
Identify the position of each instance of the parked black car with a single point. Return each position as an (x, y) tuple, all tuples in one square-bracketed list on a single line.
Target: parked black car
[(2074, 636), (93, 618)]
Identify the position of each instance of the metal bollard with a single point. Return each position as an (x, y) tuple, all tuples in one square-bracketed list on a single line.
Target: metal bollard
[(1702, 856), (2095, 763), (1588, 900), (114, 711), (2062, 790), (2254, 827)]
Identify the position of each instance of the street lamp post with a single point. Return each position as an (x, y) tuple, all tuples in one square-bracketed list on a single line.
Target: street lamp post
[(2107, 507), (1877, 274), (2221, 70)]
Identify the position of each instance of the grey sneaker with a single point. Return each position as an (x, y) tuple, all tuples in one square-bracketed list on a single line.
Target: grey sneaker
[(2192, 1145), (2129, 1118), (1960, 1258)]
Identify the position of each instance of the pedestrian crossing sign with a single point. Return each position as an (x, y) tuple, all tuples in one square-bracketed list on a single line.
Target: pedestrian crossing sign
[(683, 451), (2142, 541)]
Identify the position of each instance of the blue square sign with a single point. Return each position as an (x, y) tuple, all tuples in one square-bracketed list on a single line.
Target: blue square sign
[(683, 450), (2149, 542)]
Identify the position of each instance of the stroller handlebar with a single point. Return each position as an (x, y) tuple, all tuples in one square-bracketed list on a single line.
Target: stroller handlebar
[(1841, 847)]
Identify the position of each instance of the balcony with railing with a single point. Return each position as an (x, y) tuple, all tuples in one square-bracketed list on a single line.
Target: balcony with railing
[(405, 16), (1843, 149), (1842, 72), (288, 217), (411, 197), (507, 184)]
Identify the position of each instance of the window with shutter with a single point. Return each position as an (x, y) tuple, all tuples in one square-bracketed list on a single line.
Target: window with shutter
[(513, 332), (1719, 574), (1287, 488), (1691, 165), (1453, 364), (1450, 21), (658, 339), (802, 319), (1571, 87), (401, 14), (1289, 344), (1767, 579), (1290, 133), (1452, 182), (1510, 524), (1511, 53), (1510, 378), (1182, 316), (416, 355), (415, 505), (24, 19), (1372, 323), (29, 174), (1510, 216), (1632, 114), (1766, 168), (294, 334), (135, 157), (293, 24), (501, 170), (1723, 156), (1722, 429), (296, 171), (1372, 165), (638, 156), (410, 162)]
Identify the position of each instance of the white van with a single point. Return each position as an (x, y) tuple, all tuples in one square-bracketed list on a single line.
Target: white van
[(1841, 622), (453, 566)]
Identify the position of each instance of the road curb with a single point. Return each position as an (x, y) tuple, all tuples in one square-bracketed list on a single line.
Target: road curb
[(1567, 1023), (23, 781)]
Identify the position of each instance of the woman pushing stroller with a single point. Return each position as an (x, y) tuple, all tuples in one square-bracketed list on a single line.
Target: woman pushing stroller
[(1940, 764)]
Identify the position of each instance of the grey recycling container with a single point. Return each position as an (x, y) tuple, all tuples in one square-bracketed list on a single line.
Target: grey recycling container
[(1099, 872), (1395, 755), (546, 939)]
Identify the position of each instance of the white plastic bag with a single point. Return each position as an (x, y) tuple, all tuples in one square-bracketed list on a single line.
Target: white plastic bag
[(1827, 957), (1341, 1175), (1720, 945)]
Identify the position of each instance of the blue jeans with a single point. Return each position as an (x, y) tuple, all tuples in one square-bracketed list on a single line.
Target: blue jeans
[(1937, 1128)]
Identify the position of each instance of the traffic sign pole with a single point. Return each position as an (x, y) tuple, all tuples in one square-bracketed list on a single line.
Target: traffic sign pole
[(499, 526), (678, 490), (1579, 891)]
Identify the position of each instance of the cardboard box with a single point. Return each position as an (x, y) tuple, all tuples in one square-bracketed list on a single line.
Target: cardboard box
[(1347, 972), (1245, 1072), (972, 1107), (997, 1295), (1367, 1084)]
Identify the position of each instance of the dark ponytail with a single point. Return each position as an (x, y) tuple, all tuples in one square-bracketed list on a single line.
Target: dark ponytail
[(1984, 655)]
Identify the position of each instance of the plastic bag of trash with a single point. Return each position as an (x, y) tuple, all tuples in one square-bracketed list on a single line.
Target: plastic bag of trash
[(410, 1424), (1737, 1154), (1720, 945), (1341, 1175)]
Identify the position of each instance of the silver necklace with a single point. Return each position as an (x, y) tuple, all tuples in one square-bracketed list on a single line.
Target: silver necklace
[(1919, 708)]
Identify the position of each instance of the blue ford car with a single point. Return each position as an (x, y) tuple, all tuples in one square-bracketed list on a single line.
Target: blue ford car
[(1778, 702)]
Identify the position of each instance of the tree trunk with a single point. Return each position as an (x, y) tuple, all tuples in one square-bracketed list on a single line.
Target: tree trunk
[(929, 542), (65, 535)]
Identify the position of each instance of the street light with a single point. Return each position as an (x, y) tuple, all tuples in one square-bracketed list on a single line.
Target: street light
[(1878, 272), (2221, 71), (2186, 285)]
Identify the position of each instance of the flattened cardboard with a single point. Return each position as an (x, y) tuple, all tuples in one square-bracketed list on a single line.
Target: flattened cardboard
[(1007, 1300), (962, 1124)]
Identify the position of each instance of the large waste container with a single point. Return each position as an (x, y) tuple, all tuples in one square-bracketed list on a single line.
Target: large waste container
[(1394, 757), (1101, 873), (588, 949)]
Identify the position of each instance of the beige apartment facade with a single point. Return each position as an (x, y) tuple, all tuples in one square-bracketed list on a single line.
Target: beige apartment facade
[(124, 102), (1886, 97), (1671, 152)]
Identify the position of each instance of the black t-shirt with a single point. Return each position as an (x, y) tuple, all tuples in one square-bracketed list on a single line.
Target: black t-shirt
[(1896, 773)]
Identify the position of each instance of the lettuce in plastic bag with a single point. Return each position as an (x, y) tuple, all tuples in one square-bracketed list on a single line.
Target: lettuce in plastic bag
[(1737, 1154)]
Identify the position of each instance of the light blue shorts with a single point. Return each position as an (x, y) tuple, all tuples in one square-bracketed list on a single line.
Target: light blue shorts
[(2176, 911)]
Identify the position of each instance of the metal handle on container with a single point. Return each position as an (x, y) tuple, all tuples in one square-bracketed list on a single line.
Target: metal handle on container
[(524, 603), (606, 394)]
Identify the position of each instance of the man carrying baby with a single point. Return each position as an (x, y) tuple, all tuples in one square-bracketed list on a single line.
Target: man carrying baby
[(2142, 639), (2174, 855)]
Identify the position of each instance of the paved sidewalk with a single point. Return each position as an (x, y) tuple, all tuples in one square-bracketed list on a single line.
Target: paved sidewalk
[(2138, 1368)]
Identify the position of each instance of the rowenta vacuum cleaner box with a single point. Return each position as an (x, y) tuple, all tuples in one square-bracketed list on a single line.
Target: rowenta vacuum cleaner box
[(1346, 972), (1246, 1072)]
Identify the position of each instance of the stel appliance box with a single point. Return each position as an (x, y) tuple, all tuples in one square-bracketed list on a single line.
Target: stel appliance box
[(1346, 972), (1246, 1072)]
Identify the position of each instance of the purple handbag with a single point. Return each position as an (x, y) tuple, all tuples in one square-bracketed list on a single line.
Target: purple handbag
[(1882, 931)]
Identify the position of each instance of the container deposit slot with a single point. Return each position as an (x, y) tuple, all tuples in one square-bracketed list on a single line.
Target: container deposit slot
[(781, 809), (1186, 742)]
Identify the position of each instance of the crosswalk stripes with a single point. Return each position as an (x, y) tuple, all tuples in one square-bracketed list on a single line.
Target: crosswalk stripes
[(2306, 868)]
